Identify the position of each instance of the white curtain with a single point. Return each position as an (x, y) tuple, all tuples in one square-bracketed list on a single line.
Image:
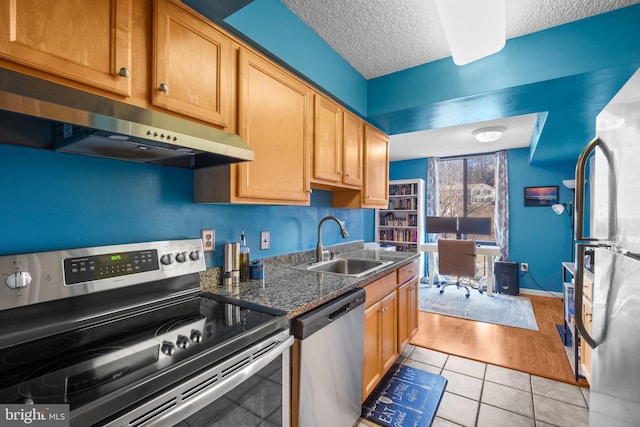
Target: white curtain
[(433, 209), (501, 215)]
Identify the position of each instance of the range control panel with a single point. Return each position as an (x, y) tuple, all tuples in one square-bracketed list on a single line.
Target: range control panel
[(97, 267), (37, 277)]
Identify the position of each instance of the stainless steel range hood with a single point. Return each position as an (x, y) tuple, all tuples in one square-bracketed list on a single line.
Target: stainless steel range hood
[(43, 114)]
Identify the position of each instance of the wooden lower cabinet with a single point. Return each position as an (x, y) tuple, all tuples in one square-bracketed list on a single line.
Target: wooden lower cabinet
[(389, 330), (407, 312), (585, 350), (372, 367), (390, 320), (380, 341)]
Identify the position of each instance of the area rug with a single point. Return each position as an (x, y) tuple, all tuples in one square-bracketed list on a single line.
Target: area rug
[(501, 309), (405, 397)]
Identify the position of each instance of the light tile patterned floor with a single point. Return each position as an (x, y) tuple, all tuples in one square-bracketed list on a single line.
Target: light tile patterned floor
[(483, 395)]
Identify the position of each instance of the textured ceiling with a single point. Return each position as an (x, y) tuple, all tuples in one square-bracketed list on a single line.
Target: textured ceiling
[(379, 37)]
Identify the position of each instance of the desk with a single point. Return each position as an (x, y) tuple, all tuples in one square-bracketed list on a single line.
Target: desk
[(490, 251)]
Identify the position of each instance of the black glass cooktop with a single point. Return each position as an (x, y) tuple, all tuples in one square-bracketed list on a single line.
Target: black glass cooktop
[(156, 345)]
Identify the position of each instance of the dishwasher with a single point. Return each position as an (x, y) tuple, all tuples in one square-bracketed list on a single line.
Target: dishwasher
[(327, 363)]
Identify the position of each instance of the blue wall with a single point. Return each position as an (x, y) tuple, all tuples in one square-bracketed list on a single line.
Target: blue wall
[(57, 201), (537, 235)]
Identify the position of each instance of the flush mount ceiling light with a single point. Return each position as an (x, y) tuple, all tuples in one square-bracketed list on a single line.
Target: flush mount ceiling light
[(489, 134), (474, 28)]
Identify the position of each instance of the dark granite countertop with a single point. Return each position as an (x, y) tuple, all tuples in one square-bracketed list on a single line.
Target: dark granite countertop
[(296, 291)]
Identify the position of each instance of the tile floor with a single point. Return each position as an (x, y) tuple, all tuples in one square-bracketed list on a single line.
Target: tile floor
[(483, 395)]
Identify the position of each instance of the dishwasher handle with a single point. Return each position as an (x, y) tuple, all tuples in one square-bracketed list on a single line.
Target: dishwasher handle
[(339, 312), (330, 312)]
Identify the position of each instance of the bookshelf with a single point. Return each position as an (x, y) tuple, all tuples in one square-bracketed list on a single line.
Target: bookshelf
[(402, 224)]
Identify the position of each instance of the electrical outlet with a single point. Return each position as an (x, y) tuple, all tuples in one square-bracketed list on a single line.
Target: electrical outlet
[(265, 239), (524, 267), (209, 240)]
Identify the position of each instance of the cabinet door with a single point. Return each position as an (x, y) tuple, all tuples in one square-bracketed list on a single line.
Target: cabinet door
[(376, 168), (327, 140), (352, 141), (372, 368), (85, 41), (407, 312), (275, 121), (413, 308), (585, 350), (389, 330), (192, 65)]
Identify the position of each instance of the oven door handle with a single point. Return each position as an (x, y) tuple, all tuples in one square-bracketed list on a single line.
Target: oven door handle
[(176, 404)]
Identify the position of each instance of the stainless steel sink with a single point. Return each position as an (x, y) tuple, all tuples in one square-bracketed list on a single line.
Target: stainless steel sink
[(354, 267)]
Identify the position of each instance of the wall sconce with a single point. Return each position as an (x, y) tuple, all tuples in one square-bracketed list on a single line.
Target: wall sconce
[(474, 28), (489, 134)]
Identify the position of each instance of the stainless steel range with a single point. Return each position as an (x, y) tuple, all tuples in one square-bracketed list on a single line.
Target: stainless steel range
[(124, 336)]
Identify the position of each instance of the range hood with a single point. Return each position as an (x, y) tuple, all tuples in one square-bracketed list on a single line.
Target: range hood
[(43, 114)]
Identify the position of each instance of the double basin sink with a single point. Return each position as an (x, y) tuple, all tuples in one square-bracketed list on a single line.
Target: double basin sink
[(353, 267)]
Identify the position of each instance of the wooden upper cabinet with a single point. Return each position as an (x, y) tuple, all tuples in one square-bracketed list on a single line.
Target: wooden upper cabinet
[(275, 120), (192, 65), (352, 146), (376, 169), (85, 41), (337, 146), (327, 140)]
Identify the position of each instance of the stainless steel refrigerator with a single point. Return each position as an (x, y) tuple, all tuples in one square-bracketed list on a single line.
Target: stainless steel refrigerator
[(611, 162)]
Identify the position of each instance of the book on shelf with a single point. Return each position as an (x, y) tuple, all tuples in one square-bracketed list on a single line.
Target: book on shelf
[(403, 190)]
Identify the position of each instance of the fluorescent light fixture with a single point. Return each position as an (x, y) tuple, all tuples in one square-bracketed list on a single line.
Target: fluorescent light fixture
[(474, 28), (488, 134)]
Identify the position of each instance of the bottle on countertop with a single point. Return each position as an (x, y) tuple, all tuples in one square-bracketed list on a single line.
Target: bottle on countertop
[(245, 268)]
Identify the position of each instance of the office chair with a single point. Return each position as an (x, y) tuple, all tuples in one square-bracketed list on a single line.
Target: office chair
[(457, 258)]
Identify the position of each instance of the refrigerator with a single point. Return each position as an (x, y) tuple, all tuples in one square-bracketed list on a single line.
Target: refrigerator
[(611, 166)]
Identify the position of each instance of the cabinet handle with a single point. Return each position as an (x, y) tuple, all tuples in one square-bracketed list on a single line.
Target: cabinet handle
[(589, 317), (163, 88), (124, 72), (348, 175), (339, 172)]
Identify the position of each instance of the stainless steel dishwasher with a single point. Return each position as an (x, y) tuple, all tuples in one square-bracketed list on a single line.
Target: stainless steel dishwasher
[(327, 363)]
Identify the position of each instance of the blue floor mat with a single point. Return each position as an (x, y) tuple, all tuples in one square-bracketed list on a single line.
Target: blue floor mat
[(405, 397)]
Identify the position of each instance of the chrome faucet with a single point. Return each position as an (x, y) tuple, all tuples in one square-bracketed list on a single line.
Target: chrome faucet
[(320, 251)]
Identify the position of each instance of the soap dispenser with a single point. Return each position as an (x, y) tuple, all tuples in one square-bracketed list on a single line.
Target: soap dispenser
[(245, 268)]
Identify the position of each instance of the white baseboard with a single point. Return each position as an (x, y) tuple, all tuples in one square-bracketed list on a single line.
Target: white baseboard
[(541, 293)]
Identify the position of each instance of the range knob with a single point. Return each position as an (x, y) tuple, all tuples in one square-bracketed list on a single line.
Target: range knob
[(181, 256), (166, 259), (19, 279), (196, 336), (194, 256), (182, 342), (167, 348)]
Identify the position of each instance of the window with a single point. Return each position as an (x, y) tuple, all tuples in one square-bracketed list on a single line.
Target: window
[(467, 188)]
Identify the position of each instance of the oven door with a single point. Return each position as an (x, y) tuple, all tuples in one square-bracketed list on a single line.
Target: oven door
[(249, 387)]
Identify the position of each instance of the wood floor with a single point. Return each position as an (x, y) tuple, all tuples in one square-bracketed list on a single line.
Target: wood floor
[(539, 352)]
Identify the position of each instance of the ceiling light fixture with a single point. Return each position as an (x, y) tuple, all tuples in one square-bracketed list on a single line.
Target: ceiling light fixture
[(474, 28), (489, 134)]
